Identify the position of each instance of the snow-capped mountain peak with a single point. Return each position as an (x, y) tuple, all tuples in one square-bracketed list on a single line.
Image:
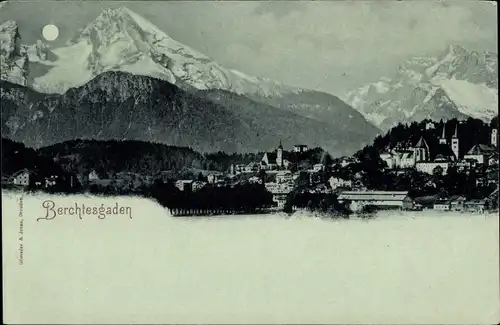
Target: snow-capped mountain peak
[(13, 60), (456, 83), (121, 40)]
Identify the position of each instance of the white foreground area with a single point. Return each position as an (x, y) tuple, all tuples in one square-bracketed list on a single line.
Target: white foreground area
[(154, 268)]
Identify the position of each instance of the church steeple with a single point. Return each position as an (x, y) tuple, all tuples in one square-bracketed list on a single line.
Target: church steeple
[(442, 140), (455, 143), (279, 155)]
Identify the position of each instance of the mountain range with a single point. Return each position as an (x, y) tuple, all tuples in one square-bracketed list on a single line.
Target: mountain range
[(458, 83), (122, 53), (120, 105), (121, 77)]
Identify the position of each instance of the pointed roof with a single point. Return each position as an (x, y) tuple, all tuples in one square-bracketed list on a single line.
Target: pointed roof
[(280, 146), (422, 144), (455, 136), (443, 136), (481, 149)]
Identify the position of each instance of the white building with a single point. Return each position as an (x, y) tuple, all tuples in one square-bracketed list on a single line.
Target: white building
[(213, 178), (198, 185), (300, 148), (275, 160), (255, 180), (380, 199), (430, 166), (494, 137), (93, 176), (336, 182), (481, 153), (184, 185), (442, 205), (279, 188), (406, 158), (318, 167), (284, 176), (345, 161), (21, 177)]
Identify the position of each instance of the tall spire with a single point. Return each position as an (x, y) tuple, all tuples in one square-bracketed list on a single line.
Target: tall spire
[(456, 131), (280, 146), (442, 140)]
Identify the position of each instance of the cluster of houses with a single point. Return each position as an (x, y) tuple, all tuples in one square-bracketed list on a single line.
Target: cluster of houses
[(280, 180), (460, 203), (447, 154), (401, 200), (26, 177)]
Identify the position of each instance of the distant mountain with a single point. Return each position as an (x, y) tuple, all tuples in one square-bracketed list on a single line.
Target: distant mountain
[(119, 40), (275, 118), (457, 84), (117, 105), (13, 60)]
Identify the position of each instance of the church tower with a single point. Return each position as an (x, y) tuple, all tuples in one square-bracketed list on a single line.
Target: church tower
[(455, 143), (279, 155), (494, 137), (421, 151), (442, 140)]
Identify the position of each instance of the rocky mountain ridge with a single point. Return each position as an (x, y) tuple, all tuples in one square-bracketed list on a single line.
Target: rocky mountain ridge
[(457, 84)]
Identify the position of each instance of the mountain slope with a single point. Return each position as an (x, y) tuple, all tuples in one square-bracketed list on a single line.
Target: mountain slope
[(118, 105), (290, 127), (457, 84), (121, 40)]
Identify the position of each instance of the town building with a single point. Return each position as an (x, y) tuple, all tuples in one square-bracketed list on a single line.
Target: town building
[(482, 153), (255, 180), (198, 185), (184, 185), (300, 148), (284, 176), (93, 176), (213, 178), (379, 199), (457, 203), (318, 168), (476, 205), (279, 188), (346, 161), (494, 137), (278, 159), (445, 155), (336, 182), (237, 169), (442, 205), (21, 178), (252, 167), (406, 158)]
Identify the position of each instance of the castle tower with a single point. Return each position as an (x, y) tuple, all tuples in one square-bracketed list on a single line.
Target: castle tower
[(279, 155), (442, 140), (494, 137), (455, 143)]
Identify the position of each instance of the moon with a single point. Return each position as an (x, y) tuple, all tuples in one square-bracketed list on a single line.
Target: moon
[(50, 32)]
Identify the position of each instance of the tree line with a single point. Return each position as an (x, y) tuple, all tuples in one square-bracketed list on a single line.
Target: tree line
[(247, 198)]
